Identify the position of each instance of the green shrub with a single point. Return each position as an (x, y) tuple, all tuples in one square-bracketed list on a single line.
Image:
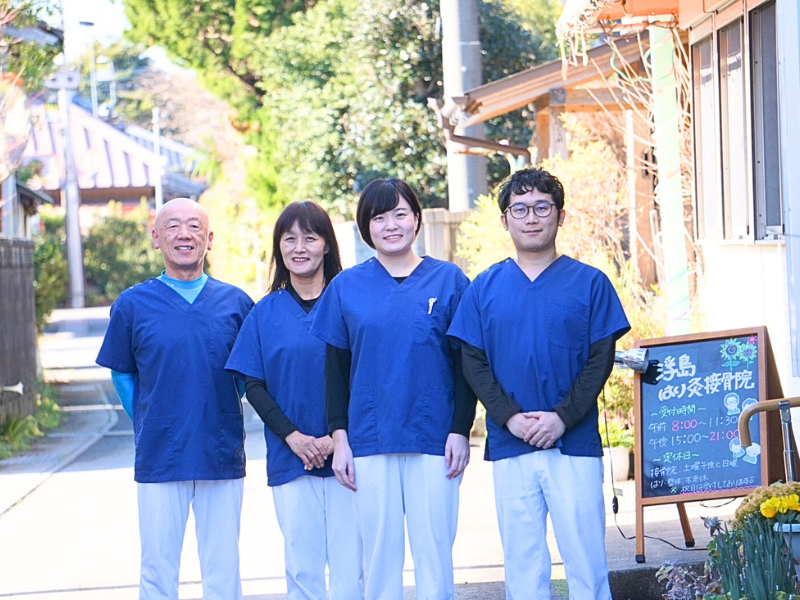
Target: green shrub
[(17, 433), (118, 253), (49, 267), (614, 434), (48, 413)]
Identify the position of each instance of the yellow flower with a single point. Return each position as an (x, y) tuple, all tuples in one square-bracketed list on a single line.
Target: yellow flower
[(780, 504), (769, 508), (753, 502)]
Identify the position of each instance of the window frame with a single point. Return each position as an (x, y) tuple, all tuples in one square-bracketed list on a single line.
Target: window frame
[(747, 223), (766, 163)]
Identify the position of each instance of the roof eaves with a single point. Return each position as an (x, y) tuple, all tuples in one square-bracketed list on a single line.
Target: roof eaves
[(520, 89), (31, 199)]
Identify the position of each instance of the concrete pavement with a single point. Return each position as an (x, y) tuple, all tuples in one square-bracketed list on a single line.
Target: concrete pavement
[(68, 525)]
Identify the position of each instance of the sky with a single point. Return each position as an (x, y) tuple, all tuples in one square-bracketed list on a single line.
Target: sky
[(108, 18), (109, 22)]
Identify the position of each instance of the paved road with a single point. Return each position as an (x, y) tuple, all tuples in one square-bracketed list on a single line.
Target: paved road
[(74, 535)]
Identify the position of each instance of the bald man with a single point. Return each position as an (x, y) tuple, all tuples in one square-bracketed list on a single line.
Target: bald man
[(167, 343)]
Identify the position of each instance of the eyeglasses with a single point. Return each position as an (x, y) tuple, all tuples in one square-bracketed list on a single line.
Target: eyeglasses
[(540, 209)]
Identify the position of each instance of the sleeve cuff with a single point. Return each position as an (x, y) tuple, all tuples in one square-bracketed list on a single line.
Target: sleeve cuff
[(503, 418), (338, 423), (559, 410)]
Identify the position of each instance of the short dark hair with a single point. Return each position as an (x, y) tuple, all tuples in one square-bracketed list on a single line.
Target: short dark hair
[(529, 179), (382, 195), (311, 218)]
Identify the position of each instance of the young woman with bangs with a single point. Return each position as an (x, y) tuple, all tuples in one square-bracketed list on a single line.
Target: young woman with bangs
[(399, 408)]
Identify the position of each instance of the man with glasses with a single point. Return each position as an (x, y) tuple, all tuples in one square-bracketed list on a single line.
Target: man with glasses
[(538, 336)]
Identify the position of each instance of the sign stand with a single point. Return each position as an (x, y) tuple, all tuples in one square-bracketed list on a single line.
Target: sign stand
[(686, 410)]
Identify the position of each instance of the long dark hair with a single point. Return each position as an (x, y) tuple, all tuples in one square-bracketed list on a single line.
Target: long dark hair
[(382, 195), (311, 218)]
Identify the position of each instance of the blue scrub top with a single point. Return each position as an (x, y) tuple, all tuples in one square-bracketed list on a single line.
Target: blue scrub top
[(536, 335), (401, 377), (187, 416), (274, 345)]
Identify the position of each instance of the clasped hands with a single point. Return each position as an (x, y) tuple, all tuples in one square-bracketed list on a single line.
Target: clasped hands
[(312, 451), (537, 428)]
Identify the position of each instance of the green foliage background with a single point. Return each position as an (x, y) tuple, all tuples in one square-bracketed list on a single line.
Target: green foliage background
[(333, 94), (118, 253), (17, 433), (33, 62), (49, 268)]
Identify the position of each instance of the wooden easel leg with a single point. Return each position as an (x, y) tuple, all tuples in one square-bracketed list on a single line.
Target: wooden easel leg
[(639, 533), (687, 529)]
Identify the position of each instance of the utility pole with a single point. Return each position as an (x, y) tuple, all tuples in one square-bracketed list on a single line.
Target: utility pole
[(92, 71), (66, 82), (461, 61), (159, 193), (668, 193)]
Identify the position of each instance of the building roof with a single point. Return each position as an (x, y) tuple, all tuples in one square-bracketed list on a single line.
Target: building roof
[(520, 89), (31, 199), (105, 157)]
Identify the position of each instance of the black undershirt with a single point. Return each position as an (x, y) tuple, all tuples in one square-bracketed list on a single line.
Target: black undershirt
[(258, 395), (337, 389), (580, 399)]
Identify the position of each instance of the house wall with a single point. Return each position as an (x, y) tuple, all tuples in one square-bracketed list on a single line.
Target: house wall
[(747, 282), (788, 20), (744, 285)]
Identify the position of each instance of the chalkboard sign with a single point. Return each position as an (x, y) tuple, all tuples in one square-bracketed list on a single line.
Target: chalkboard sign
[(690, 408), (686, 412)]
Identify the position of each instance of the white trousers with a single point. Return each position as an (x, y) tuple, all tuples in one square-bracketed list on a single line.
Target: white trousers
[(570, 488), (415, 485), (163, 511), (319, 527)]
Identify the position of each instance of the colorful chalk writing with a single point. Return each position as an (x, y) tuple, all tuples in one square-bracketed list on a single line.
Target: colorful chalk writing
[(690, 436)]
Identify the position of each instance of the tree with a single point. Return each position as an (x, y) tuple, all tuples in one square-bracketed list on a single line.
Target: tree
[(538, 18), (332, 94), (347, 98), (20, 55), (215, 37)]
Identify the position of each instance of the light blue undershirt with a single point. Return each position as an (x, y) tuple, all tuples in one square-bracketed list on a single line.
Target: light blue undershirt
[(124, 382)]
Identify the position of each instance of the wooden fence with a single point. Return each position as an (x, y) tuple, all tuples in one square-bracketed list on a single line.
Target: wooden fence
[(18, 357)]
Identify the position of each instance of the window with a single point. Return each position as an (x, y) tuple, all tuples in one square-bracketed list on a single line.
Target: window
[(736, 129), (766, 134), (735, 188), (704, 139)]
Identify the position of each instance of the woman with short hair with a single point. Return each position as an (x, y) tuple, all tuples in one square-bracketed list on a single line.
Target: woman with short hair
[(399, 408)]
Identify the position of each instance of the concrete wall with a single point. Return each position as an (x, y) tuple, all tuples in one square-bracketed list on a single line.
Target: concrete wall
[(437, 238), (17, 326)]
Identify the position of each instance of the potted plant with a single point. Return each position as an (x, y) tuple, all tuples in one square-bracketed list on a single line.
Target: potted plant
[(617, 440), (781, 508), (750, 558)]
